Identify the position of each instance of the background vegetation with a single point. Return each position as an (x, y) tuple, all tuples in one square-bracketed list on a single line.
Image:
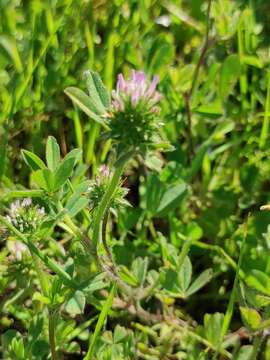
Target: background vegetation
[(194, 240)]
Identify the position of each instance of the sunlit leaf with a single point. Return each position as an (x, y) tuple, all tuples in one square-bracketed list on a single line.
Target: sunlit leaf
[(85, 103)]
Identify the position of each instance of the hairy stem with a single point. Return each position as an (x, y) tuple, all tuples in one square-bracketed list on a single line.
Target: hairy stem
[(52, 334), (42, 276), (188, 95), (104, 237), (203, 51), (111, 269), (256, 347), (76, 231), (44, 284), (97, 227)]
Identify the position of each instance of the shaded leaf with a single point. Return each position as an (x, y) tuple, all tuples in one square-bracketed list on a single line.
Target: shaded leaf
[(185, 274), (76, 304), (171, 198), (139, 269), (154, 192), (201, 280), (245, 353), (75, 204)]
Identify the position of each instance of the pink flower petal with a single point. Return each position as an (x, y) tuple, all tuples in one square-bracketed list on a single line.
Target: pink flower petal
[(152, 87), (121, 84), (135, 89), (135, 97), (133, 75)]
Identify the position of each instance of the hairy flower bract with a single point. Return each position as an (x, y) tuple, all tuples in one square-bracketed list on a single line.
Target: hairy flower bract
[(98, 188)]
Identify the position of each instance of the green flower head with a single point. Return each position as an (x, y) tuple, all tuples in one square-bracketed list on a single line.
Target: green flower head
[(98, 188), (25, 216)]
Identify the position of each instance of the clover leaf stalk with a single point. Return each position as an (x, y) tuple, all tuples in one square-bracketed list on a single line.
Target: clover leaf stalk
[(105, 203), (44, 284)]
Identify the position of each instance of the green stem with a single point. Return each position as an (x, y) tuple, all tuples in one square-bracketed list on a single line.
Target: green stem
[(52, 335), (256, 347), (243, 75), (111, 270), (52, 265), (104, 204), (74, 230), (44, 284), (97, 235), (152, 229), (90, 155), (205, 342), (43, 279), (265, 126), (42, 276), (101, 320), (195, 76), (22, 194), (222, 252), (230, 307), (104, 238), (203, 51)]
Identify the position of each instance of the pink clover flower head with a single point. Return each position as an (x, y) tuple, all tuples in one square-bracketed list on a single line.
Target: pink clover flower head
[(137, 89), (134, 117)]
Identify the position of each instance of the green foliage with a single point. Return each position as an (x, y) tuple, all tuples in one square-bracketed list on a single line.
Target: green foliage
[(212, 325), (166, 256), (251, 317), (86, 104)]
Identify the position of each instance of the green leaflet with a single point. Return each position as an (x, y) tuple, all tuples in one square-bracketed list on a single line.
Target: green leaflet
[(86, 104)]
